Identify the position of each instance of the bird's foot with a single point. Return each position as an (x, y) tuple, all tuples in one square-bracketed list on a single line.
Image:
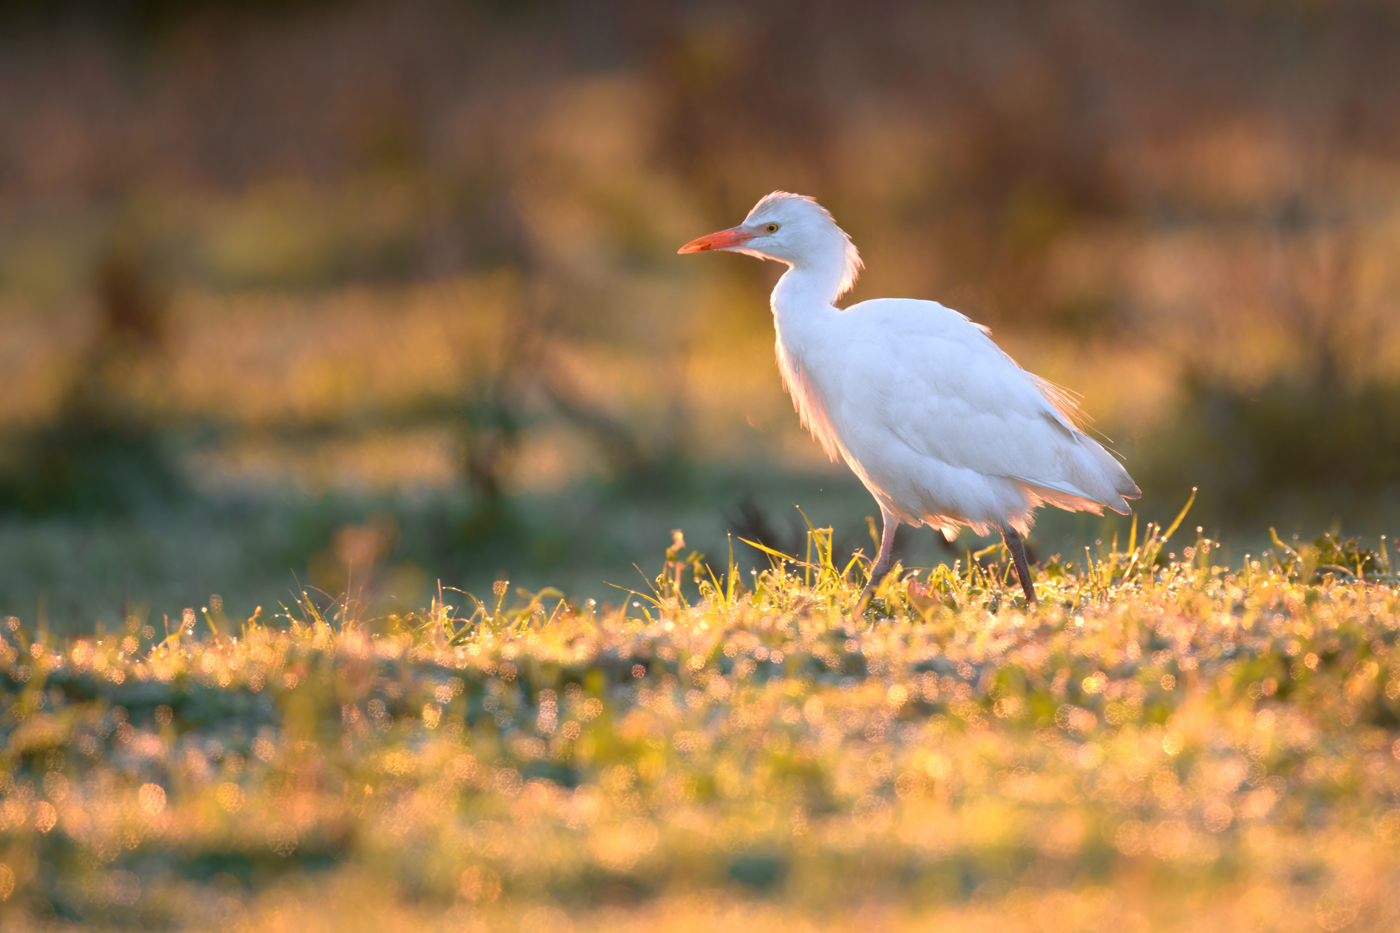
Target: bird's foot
[(879, 607), (863, 602)]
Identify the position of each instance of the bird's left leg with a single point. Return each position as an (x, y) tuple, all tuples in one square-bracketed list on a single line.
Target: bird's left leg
[(1017, 547), (883, 561)]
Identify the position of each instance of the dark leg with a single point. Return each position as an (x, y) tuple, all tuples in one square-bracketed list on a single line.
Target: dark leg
[(1017, 547), (883, 561)]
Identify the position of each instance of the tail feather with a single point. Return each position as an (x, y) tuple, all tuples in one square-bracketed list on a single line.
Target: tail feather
[(1096, 476), (1093, 480)]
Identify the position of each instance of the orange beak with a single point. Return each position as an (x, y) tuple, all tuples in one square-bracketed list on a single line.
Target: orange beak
[(724, 239)]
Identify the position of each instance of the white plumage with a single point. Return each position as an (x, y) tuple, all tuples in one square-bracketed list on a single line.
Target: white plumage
[(939, 423)]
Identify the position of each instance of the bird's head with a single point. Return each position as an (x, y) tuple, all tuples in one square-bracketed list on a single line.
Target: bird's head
[(792, 229)]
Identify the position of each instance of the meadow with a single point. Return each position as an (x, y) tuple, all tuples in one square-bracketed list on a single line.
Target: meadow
[(340, 308), (1164, 744), (357, 295)]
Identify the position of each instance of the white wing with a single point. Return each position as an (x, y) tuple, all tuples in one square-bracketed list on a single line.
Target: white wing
[(938, 418)]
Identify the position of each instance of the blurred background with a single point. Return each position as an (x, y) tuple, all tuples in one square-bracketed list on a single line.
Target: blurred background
[(367, 296)]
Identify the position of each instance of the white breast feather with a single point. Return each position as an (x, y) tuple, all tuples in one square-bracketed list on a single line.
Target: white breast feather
[(807, 399)]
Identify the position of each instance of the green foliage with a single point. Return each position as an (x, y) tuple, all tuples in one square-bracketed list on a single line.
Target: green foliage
[(1158, 733), (1328, 556), (1254, 451), (104, 453), (80, 467)]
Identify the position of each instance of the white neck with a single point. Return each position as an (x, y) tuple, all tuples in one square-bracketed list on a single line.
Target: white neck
[(802, 304), (815, 276), (803, 316)]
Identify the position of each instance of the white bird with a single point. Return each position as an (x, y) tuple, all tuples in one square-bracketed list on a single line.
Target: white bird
[(941, 425)]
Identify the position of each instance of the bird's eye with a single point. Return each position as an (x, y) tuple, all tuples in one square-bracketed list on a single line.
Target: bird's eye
[(771, 228)]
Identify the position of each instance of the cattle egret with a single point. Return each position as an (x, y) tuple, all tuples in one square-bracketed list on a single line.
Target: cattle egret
[(941, 425)]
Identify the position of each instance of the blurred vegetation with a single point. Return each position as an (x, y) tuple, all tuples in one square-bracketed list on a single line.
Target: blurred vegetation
[(103, 452), (1161, 745), (1330, 556), (1282, 442), (271, 272)]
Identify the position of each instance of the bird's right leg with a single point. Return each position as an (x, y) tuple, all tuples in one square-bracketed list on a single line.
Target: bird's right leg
[(1017, 547), (883, 561)]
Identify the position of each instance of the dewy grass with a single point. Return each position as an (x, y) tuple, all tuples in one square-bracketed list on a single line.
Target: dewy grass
[(1164, 744)]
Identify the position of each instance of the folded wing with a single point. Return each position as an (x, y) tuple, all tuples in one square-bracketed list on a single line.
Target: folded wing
[(927, 378)]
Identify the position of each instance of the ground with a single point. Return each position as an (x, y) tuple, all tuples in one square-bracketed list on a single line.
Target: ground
[(1160, 745)]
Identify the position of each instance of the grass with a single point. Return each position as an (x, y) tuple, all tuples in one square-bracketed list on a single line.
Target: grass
[(1163, 744)]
